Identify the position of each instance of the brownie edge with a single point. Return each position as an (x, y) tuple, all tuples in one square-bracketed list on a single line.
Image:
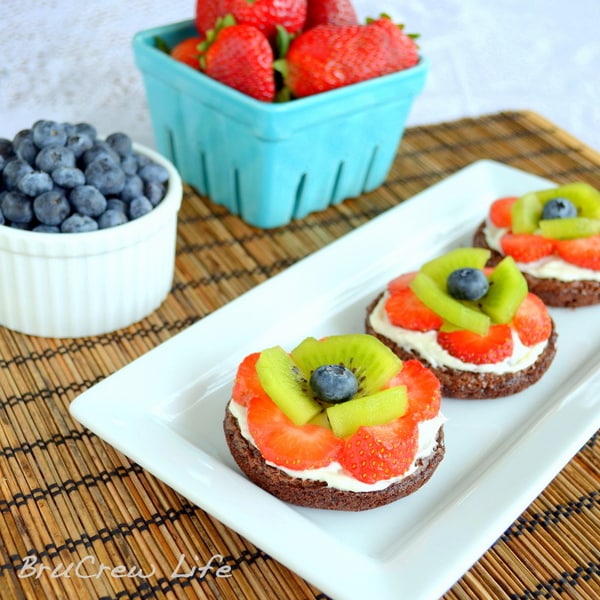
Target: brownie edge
[(317, 494)]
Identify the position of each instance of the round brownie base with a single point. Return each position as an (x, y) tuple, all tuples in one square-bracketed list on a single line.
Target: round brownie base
[(567, 294), (471, 385), (317, 494)]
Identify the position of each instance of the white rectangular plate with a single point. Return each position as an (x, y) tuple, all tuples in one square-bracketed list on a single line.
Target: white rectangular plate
[(165, 410)]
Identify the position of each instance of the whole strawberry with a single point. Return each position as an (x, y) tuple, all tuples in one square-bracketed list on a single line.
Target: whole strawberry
[(267, 14), (327, 57), (207, 13), (330, 12), (403, 52), (187, 51), (241, 57)]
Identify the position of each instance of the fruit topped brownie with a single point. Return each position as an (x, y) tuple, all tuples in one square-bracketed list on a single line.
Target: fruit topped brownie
[(338, 423), (478, 328), (554, 236)]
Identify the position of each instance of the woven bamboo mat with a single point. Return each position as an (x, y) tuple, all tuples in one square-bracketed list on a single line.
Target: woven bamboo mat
[(67, 499)]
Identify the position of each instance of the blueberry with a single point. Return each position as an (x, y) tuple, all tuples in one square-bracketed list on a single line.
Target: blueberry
[(87, 129), (77, 223), (333, 383), (79, 143), (467, 284), (88, 200), (154, 172), (139, 207), (120, 143), (107, 176), (133, 188), (7, 152), (47, 133), (100, 149), (24, 146), (116, 204), (559, 208), (13, 171), (53, 156), (111, 217), (68, 177), (51, 208), (154, 191), (2, 219), (35, 183), (46, 228), (16, 207), (129, 164)]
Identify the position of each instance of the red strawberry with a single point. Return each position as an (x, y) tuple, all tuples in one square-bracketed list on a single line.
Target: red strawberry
[(247, 385), (404, 309), (207, 13), (526, 247), (380, 452), (500, 215), (403, 52), (241, 57), (401, 282), (532, 321), (330, 12), (583, 252), (266, 14), (327, 57), (423, 389), (187, 52), (285, 444), (478, 349)]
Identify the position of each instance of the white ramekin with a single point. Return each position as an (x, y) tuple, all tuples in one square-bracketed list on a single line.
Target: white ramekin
[(81, 284)]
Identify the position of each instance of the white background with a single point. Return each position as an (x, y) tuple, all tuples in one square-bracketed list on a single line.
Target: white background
[(72, 60)]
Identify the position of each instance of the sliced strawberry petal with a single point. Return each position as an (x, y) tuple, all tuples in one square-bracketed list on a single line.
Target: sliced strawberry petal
[(500, 211), (246, 384), (405, 310), (532, 321), (478, 349), (423, 389), (380, 452), (583, 252), (526, 247), (292, 446), (401, 282)]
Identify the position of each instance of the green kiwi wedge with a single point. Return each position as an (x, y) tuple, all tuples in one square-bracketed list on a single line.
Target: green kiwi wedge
[(372, 363), (286, 385), (508, 288), (459, 313), (376, 409), (569, 228), (526, 212)]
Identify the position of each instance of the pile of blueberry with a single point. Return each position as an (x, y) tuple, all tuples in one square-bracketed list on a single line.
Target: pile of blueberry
[(62, 178)]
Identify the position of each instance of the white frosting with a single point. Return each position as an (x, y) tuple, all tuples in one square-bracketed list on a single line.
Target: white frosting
[(425, 343), (334, 474), (549, 267)]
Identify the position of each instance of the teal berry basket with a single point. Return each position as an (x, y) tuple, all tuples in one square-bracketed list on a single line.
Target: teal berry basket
[(271, 163)]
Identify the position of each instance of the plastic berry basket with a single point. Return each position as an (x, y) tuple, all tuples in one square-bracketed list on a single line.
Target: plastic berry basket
[(80, 284), (271, 163)]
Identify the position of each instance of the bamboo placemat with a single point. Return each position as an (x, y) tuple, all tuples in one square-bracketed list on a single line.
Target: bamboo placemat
[(79, 520)]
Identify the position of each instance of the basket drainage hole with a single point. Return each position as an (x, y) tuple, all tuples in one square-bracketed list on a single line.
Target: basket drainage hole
[(370, 168), (298, 199), (336, 183)]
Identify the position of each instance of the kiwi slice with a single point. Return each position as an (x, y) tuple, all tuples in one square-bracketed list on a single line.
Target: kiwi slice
[(376, 409), (507, 290), (372, 363), (569, 228), (440, 268), (286, 385), (585, 197), (526, 212), (457, 312)]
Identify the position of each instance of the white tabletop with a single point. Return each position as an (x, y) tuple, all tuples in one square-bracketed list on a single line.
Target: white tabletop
[(72, 60)]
